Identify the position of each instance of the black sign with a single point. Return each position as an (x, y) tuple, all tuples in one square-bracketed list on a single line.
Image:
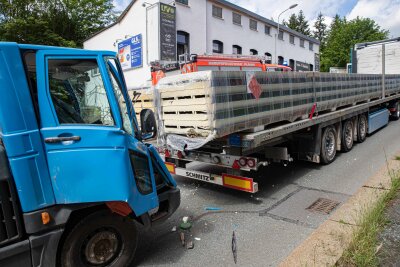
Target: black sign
[(301, 66), (317, 62), (167, 32)]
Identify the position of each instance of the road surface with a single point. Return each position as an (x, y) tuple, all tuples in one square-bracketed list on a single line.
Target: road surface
[(269, 224)]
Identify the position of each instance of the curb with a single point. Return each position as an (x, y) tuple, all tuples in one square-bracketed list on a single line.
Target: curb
[(325, 246)]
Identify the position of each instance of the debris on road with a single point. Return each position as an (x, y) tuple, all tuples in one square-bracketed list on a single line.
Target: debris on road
[(185, 225), (190, 245), (234, 248), (197, 238), (182, 236), (173, 229), (213, 208)]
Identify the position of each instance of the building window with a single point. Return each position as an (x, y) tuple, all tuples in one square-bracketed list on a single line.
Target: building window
[(280, 60), (183, 2), (311, 46), (236, 18), (280, 36), (267, 30), (253, 52), (291, 39), (268, 58), (182, 41), (236, 50), (302, 42), (253, 25), (217, 11), (218, 47)]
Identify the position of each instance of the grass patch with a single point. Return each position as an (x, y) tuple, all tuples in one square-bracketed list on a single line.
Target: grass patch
[(363, 248)]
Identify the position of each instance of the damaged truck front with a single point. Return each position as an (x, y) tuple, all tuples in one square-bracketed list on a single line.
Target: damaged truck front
[(75, 174)]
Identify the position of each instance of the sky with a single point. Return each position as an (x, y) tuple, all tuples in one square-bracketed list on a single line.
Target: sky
[(385, 12)]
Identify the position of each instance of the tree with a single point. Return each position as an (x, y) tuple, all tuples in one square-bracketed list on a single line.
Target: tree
[(292, 23), (343, 35), (298, 23), (53, 22), (303, 24), (320, 31)]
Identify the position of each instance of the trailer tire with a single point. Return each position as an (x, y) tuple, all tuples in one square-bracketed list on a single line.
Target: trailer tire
[(347, 136), (362, 128), (396, 114), (101, 239), (328, 145)]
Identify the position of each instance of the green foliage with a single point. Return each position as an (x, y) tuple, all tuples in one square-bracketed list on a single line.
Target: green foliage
[(292, 23), (53, 22), (362, 250), (343, 35), (298, 23), (320, 31)]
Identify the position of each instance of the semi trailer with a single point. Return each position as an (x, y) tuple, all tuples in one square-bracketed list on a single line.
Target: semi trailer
[(217, 119)]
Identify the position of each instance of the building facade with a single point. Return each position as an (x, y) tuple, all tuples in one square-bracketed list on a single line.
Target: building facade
[(161, 30)]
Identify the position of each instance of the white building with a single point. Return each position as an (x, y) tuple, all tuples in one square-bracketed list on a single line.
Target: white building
[(203, 27)]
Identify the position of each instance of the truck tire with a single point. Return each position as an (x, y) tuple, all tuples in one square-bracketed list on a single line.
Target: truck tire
[(347, 136), (362, 128), (102, 239), (395, 115), (328, 145)]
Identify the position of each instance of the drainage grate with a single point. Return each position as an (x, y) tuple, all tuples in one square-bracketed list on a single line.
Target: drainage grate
[(323, 205)]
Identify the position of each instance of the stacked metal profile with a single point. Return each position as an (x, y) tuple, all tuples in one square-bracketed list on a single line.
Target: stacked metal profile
[(142, 99), (219, 102)]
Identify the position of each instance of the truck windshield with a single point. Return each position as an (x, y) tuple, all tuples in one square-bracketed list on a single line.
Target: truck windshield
[(121, 97)]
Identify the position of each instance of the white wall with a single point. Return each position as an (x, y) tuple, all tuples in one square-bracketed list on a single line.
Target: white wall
[(192, 20), (230, 34), (369, 59), (132, 24), (197, 20)]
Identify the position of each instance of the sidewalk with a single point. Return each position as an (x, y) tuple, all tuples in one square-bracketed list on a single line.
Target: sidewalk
[(389, 238), (326, 245)]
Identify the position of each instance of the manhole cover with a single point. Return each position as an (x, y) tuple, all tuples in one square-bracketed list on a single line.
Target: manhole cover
[(323, 205)]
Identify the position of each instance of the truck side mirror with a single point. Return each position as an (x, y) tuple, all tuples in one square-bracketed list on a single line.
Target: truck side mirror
[(148, 124)]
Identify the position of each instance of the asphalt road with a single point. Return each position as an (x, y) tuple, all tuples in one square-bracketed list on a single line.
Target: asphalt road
[(269, 224)]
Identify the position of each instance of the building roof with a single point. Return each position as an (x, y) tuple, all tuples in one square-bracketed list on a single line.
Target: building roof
[(265, 20), (225, 3)]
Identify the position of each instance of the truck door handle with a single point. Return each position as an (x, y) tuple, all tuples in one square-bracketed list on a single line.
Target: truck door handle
[(54, 140)]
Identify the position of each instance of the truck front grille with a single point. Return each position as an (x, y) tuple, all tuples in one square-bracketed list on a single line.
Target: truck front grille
[(10, 220)]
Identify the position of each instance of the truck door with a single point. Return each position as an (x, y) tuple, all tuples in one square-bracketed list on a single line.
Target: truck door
[(90, 144)]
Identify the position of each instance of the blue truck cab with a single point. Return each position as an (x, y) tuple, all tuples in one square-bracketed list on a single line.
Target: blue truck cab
[(75, 174)]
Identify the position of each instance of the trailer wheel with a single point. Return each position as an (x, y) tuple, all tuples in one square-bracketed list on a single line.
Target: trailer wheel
[(328, 146), (395, 115), (101, 239), (362, 128), (347, 136)]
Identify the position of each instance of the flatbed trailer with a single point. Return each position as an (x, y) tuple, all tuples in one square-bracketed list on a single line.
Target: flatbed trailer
[(315, 139), (234, 159)]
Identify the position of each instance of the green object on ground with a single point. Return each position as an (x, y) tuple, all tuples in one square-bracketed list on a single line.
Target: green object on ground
[(185, 226)]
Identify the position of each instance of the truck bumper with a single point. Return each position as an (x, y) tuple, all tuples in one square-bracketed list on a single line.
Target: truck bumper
[(169, 203), (173, 197)]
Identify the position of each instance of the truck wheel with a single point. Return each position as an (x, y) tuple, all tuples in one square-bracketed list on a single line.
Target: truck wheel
[(347, 136), (362, 128), (102, 239), (328, 146), (395, 115)]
